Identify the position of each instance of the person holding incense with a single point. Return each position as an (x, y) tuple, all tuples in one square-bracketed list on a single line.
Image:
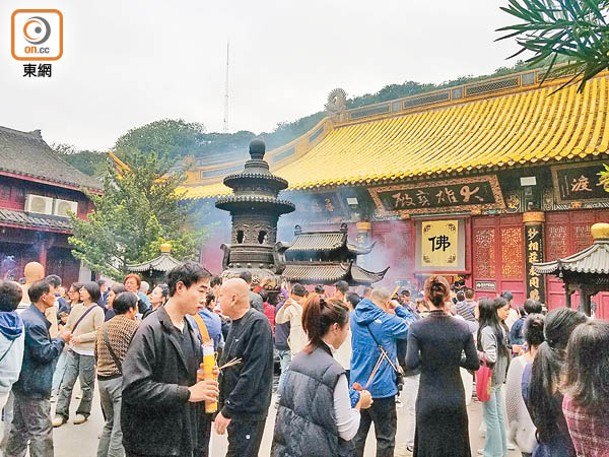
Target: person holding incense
[(162, 399), (436, 345), (315, 417), (245, 387)]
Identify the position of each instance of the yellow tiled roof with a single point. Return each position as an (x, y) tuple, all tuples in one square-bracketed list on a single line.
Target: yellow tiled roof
[(521, 128)]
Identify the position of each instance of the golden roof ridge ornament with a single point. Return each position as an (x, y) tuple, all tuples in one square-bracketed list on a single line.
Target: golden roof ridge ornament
[(337, 102)]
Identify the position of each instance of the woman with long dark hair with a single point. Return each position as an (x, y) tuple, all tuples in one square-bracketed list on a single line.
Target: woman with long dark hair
[(436, 345), (520, 426), (315, 418), (586, 388), (492, 344), (541, 383)]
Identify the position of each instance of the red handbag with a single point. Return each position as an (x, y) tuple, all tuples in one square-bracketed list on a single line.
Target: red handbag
[(484, 377)]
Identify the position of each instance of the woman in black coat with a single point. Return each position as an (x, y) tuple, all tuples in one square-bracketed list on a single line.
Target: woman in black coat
[(436, 345)]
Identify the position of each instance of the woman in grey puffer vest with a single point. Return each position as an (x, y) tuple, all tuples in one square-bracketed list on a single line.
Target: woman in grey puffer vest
[(315, 395)]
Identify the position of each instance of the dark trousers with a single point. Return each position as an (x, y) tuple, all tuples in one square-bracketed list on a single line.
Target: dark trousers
[(31, 424), (203, 436), (384, 415), (244, 438)]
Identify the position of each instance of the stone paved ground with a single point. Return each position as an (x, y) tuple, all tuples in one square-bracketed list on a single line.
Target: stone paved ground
[(81, 440)]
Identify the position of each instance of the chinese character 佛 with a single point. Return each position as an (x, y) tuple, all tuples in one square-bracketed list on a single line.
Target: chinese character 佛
[(439, 243)]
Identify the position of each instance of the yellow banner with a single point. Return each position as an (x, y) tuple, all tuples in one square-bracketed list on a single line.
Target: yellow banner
[(440, 243)]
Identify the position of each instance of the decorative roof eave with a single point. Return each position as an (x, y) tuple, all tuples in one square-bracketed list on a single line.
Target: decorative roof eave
[(361, 276), (163, 263), (363, 250), (312, 272), (50, 182), (592, 260), (318, 241), (37, 222)]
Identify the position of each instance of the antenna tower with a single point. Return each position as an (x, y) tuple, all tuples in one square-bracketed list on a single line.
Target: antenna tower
[(225, 124)]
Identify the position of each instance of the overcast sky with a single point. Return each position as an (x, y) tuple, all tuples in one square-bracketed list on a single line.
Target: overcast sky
[(128, 63)]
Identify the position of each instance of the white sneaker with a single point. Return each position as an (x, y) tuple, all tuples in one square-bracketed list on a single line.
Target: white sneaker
[(58, 421), (511, 446), (80, 419)]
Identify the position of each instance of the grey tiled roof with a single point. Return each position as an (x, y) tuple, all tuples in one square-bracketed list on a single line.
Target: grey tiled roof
[(164, 262), (318, 241), (593, 259), (27, 154), (329, 272), (36, 221)]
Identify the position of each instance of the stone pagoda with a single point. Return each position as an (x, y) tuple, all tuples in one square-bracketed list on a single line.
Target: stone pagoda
[(255, 209)]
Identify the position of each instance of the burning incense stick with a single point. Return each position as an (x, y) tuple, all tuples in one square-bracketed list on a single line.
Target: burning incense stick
[(230, 363)]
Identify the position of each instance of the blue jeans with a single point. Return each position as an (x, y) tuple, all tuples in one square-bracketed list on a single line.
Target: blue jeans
[(60, 371), (495, 443), (284, 362)]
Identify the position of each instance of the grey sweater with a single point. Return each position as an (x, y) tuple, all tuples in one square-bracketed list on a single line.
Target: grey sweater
[(499, 360)]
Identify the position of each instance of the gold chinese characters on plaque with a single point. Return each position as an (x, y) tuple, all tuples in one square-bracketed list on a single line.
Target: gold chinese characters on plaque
[(440, 243)]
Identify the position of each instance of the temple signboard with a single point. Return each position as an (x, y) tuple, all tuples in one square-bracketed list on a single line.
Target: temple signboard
[(438, 196), (534, 254), (440, 246), (578, 182)]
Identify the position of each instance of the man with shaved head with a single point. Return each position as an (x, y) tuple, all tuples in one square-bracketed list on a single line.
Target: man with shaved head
[(245, 388), (33, 271)]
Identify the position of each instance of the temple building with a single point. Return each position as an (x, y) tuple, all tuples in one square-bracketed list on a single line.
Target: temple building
[(476, 182), (38, 191)]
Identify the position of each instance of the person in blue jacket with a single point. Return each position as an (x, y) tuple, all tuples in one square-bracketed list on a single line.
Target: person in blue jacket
[(376, 324)]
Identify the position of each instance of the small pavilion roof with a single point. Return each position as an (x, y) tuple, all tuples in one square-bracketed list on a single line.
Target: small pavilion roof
[(325, 241), (162, 263), (592, 260), (330, 272)]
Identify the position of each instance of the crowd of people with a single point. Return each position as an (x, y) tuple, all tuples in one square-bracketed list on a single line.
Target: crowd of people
[(347, 360)]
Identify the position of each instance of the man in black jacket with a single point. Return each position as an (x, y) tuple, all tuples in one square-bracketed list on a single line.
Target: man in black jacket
[(245, 388), (32, 392), (161, 395)]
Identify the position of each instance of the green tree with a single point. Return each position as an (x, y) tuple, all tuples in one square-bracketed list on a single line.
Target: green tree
[(174, 138), (574, 31), (92, 163), (139, 209)]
